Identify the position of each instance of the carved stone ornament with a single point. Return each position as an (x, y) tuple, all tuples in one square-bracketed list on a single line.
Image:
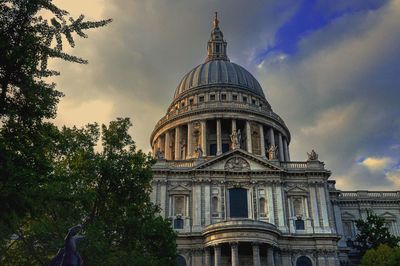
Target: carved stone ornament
[(159, 155), (272, 152), (237, 164), (312, 156)]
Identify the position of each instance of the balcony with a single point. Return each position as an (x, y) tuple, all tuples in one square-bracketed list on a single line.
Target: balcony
[(219, 106), (241, 230)]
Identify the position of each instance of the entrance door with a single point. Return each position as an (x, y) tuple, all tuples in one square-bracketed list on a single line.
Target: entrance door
[(303, 261), (238, 203)]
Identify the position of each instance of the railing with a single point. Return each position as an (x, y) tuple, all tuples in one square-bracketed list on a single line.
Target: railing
[(227, 105), (294, 165), (364, 194), (181, 164)]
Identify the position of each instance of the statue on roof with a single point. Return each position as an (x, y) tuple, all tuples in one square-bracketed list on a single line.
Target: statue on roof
[(312, 156), (235, 139), (272, 152)]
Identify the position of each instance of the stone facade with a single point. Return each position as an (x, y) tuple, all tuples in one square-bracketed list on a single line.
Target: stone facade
[(225, 179)]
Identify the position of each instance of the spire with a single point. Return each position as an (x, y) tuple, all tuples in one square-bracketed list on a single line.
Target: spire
[(216, 48), (216, 21)]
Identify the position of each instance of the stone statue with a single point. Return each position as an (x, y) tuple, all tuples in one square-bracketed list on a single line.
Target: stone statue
[(183, 148), (234, 140), (199, 151), (312, 156), (69, 256), (160, 155), (272, 152)]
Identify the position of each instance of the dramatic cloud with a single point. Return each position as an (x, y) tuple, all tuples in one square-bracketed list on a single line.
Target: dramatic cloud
[(334, 79), (377, 164)]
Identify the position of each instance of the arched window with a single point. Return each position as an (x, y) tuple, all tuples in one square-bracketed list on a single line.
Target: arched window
[(214, 206), (299, 224), (304, 261), (178, 223), (180, 261), (263, 207)]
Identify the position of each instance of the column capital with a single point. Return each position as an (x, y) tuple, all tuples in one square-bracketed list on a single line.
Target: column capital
[(234, 244), (256, 243)]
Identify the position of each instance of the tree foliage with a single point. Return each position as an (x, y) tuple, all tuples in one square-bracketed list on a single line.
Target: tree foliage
[(383, 255), (106, 191), (27, 42), (51, 179), (373, 232)]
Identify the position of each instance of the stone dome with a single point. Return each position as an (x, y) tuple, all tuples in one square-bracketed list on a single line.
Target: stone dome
[(219, 73)]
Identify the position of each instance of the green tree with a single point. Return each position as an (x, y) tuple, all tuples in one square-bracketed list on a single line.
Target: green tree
[(27, 42), (383, 255), (373, 232), (51, 179), (108, 192)]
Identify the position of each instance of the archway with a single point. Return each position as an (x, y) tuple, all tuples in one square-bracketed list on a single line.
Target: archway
[(303, 261), (180, 261)]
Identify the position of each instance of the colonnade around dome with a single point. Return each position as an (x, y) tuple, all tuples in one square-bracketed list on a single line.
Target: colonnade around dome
[(212, 137)]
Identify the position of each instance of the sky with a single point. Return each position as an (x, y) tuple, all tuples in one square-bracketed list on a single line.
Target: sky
[(330, 69)]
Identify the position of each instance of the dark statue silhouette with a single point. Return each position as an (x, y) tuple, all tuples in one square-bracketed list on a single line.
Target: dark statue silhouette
[(69, 256)]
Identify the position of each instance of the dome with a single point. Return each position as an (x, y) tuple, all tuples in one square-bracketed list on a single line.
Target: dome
[(219, 73)]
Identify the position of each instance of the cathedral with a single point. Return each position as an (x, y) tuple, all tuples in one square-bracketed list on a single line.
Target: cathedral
[(225, 179)]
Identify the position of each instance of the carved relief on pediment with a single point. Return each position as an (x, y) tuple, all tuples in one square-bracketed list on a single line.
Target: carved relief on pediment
[(237, 164)]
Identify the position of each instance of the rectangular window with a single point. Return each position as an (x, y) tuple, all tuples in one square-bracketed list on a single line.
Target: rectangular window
[(190, 101), (212, 97), (213, 149), (238, 203), (201, 99), (217, 48), (183, 104), (225, 147), (234, 97), (244, 99), (223, 97), (253, 101)]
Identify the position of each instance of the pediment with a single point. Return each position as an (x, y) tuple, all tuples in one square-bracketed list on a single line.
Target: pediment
[(347, 216), (179, 189), (296, 190), (238, 161), (388, 216)]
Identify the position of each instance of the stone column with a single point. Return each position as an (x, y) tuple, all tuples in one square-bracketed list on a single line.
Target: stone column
[(234, 254), (281, 157), (286, 150), (159, 144), (233, 125), (271, 136), (219, 137), (262, 140), (177, 143), (217, 255), (270, 257), (277, 258), (203, 137), (207, 257), (167, 150), (256, 254), (189, 147), (248, 137)]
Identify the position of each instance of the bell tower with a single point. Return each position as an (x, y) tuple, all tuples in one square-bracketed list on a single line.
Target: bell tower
[(216, 46)]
